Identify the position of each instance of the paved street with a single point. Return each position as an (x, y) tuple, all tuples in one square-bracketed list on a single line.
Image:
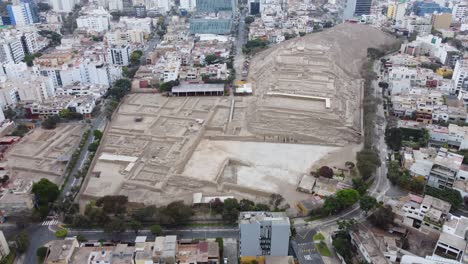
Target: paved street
[(304, 247), (96, 123), (230, 250), (238, 44)]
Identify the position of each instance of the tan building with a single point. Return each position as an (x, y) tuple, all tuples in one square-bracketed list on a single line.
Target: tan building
[(441, 21), (61, 251)]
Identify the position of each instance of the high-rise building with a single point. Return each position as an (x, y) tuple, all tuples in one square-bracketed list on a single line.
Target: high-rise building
[(355, 8), (397, 10), (63, 6), (460, 12), (23, 13), (441, 21), (264, 234), (119, 55), (460, 75), (213, 6), (11, 50)]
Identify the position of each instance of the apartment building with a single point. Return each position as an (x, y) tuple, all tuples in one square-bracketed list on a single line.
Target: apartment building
[(452, 243), (98, 20), (119, 55), (444, 170), (11, 50), (23, 13), (426, 214), (460, 75), (264, 234)]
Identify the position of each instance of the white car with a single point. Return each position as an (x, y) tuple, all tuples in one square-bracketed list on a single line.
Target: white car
[(225, 261)]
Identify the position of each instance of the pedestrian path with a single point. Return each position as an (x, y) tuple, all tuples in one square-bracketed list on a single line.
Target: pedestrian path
[(49, 222)]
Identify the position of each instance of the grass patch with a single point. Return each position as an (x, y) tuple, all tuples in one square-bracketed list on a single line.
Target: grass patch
[(10, 258), (323, 249), (319, 237)]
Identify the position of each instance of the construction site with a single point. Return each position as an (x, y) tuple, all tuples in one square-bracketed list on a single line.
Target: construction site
[(305, 110)]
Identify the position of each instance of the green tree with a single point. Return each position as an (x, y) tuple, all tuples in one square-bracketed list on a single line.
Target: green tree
[(156, 230), (41, 253), (220, 242), (367, 162), (93, 146), (382, 217), (81, 238), (246, 205), (22, 242), (231, 210), (45, 191), (113, 204), (343, 247), (393, 138), (135, 226), (210, 59), (449, 195), (276, 200), (360, 185), (97, 134), (51, 122), (177, 213), (249, 19), (115, 226), (43, 7), (261, 207), (9, 113), (367, 203), (135, 57), (61, 233)]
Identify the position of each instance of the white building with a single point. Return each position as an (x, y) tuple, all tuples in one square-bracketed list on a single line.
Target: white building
[(460, 75), (188, 5), (96, 21), (63, 6), (21, 14), (452, 243), (119, 55), (11, 50), (264, 234), (460, 12)]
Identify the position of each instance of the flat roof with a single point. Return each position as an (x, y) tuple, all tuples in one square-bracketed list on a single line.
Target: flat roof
[(191, 88)]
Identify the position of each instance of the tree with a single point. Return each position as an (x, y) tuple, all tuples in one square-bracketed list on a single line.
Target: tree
[(262, 207), (449, 195), (115, 226), (135, 226), (326, 172), (156, 230), (367, 162), (231, 210), (97, 134), (81, 238), (45, 191), (341, 200), (114, 204), (220, 242), (61, 233), (22, 242), (41, 253), (51, 122), (135, 57), (249, 20), (246, 205), (210, 59), (393, 138), (217, 205), (367, 203), (350, 165), (382, 217), (276, 200), (93, 147), (43, 7), (177, 213), (343, 247), (360, 185)]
